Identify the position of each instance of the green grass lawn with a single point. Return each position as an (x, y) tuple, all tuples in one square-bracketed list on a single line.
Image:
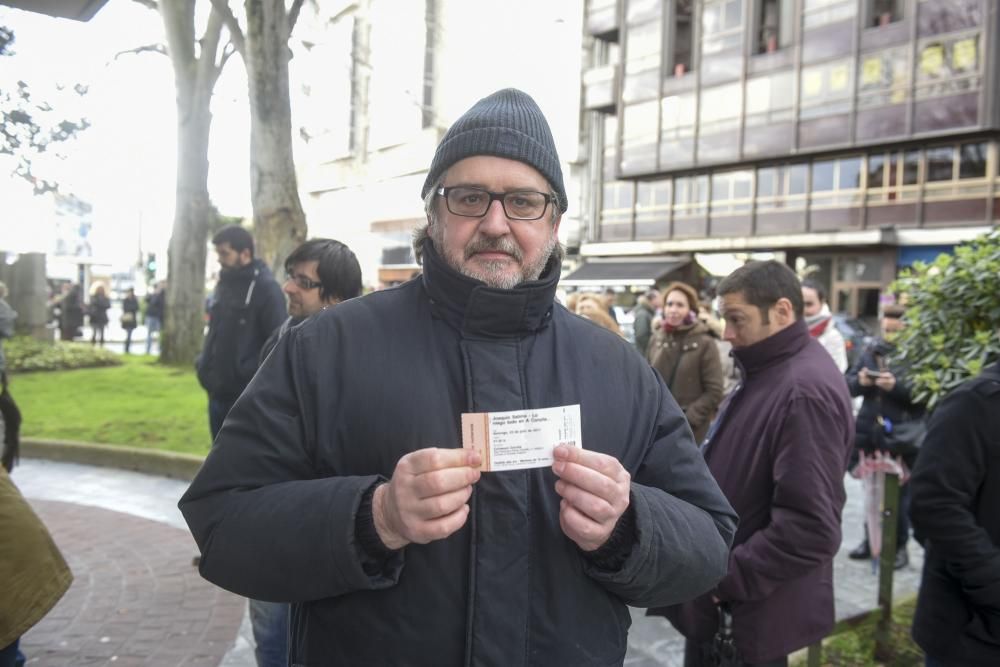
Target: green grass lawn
[(140, 403), (855, 647)]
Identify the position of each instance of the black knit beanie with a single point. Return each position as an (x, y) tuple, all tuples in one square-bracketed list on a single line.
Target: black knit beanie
[(506, 124)]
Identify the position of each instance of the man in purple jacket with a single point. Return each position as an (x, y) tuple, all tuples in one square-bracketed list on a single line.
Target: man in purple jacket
[(778, 450)]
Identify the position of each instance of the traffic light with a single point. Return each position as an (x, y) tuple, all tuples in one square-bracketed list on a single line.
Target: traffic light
[(150, 268)]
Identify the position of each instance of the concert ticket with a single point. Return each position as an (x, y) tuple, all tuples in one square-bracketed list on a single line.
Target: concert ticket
[(521, 439)]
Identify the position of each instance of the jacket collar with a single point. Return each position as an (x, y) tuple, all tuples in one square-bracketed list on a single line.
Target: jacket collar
[(776, 348), (474, 308)]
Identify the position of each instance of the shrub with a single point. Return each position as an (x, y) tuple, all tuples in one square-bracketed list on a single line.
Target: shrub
[(953, 317), (25, 354)]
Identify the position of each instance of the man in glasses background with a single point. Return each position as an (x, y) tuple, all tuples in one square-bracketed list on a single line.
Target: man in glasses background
[(247, 306), (339, 482), (318, 274)]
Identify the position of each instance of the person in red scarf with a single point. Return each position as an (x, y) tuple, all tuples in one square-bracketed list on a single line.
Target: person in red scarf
[(820, 322)]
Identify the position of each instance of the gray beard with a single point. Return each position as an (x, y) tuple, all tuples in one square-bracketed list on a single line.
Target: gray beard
[(493, 273)]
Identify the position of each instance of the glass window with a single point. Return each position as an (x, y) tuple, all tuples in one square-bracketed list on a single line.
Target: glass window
[(639, 136), (826, 88), (880, 13), (877, 171), (781, 187), (823, 175), (837, 182), (690, 195), (720, 108), (775, 21), (884, 77), (721, 25), (820, 12), (616, 210), (731, 191), (652, 208), (936, 17), (940, 163), (642, 62), (949, 66), (911, 167), (770, 98), (682, 39), (972, 160), (798, 175), (677, 116)]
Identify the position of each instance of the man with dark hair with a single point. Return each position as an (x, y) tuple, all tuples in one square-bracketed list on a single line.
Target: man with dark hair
[(339, 481), (319, 274), (820, 322), (778, 449), (645, 310), (246, 307)]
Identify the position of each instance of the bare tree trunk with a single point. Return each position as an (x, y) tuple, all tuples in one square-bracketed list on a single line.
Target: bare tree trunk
[(195, 74), (279, 222)]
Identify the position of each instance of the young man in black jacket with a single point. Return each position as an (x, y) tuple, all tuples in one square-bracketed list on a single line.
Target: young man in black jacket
[(955, 496), (246, 307), (339, 481)]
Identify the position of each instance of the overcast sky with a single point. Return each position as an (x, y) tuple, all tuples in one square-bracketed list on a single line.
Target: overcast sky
[(124, 163)]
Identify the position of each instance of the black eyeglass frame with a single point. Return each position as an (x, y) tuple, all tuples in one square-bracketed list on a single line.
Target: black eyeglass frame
[(495, 196), (301, 281)]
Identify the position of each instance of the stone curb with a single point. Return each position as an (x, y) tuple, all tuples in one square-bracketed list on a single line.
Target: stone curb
[(151, 462)]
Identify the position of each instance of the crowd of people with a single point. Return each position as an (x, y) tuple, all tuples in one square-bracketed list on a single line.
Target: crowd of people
[(709, 487)]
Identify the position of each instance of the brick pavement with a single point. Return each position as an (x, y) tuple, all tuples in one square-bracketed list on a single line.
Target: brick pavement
[(136, 598), (137, 557)]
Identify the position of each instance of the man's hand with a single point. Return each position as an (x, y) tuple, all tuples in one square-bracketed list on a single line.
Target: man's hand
[(886, 381), (864, 379), (427, 497), (595, 493)]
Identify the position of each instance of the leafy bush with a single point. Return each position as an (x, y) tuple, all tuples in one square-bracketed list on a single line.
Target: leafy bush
[(26, 354), (953, 317)]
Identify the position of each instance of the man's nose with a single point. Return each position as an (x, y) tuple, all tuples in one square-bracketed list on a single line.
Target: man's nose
[(289, 286), (495, 221)]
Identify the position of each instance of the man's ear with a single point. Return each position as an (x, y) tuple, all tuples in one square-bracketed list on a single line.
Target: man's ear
[(784, 311)]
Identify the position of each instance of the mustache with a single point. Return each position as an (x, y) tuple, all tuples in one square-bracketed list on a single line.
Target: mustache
[(502, 244)]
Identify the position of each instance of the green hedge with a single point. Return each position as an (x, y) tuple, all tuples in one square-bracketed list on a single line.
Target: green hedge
[(25, 354)]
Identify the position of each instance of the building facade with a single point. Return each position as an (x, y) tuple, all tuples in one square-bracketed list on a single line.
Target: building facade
[(382, 80), (854, 136)]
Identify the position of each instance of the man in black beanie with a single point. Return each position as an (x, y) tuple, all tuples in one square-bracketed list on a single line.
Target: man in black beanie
[(352, 478)]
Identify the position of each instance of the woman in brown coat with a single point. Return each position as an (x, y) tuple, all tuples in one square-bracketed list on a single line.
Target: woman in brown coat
[(684, 351)]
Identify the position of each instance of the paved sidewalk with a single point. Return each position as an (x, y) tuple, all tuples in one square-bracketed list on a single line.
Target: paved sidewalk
[(137, 600)]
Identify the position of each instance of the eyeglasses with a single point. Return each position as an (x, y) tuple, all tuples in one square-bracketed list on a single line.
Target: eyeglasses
[(475, 202), (301, 281)]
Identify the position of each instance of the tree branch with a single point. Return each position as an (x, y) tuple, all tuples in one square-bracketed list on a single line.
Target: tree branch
[(293, 15), (151, 4), (229, 19), (227, 51), (155, 48)]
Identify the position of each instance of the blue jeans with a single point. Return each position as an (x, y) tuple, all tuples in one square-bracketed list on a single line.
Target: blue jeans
[(217, 411), (270, 632), (11, 656), (153, 325)]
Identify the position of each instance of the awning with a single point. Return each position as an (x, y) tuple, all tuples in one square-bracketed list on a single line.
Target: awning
[(624, 271)]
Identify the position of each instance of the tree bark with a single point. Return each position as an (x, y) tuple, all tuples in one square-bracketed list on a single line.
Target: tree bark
[(195, 77), (278, 218)]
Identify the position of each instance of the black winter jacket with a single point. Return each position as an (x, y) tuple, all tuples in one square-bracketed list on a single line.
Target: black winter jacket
[(247, 306), (897, 405), (955, 496), (345, 395)]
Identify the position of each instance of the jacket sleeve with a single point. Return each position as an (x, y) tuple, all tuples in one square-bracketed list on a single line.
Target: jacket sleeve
[(946, 485), (268, 526), (710, 367), (863, 361), (643, 332), (684, 524), (806, 503)]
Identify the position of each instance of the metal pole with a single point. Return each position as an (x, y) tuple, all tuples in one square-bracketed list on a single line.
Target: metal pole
[(890, 510)]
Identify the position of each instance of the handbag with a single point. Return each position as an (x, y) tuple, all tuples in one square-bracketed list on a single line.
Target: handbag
[(722, 649), (128, 320)]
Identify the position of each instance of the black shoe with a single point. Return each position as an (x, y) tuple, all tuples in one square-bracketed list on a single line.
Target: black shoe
[(902, 559), (860, 552)]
